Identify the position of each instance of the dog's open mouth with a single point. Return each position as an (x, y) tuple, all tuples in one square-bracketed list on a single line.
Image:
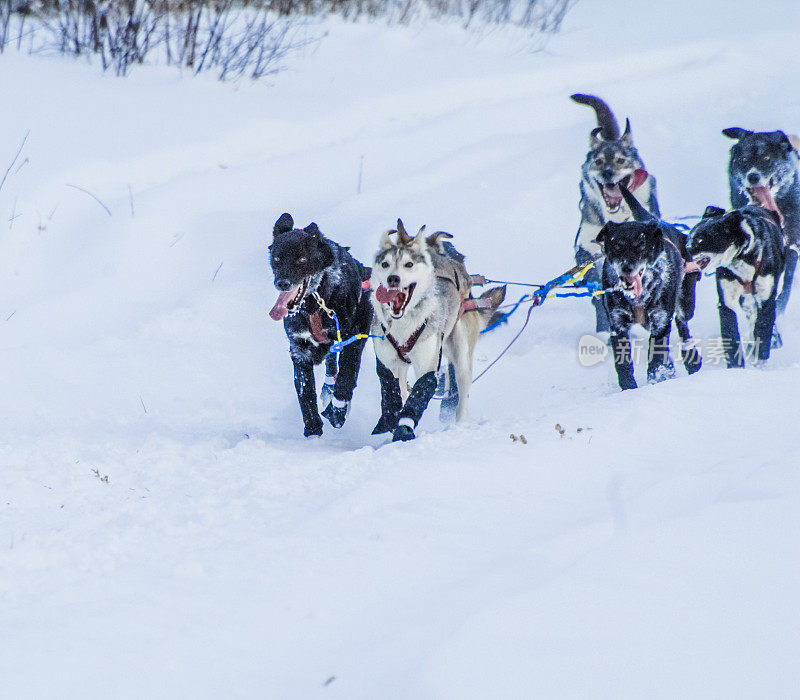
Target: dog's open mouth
[(763, 197), (289, 301), (702, 262), (612, 194), (631, 285), (397, 298)]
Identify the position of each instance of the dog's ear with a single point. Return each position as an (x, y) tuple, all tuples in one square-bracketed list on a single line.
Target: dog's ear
[(735, 132), (595, 137), (386, 241), (402, 235), (283, 224), (419, 241), (742, 232), (434, 240), (789, 142), (627, 136), (313, 230), (600, 238), (712, 211), (654, 238)]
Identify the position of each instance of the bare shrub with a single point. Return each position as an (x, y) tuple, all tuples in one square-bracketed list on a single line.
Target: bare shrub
[(234, 38)]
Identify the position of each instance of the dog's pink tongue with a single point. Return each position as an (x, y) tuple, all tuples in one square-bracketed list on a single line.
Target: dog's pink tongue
[(636, 282), (279, 311), (386, 296), (763, 196), (639, 176)]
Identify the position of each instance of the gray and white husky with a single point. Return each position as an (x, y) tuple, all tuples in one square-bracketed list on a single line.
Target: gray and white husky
[(612, 161), (424, 309)]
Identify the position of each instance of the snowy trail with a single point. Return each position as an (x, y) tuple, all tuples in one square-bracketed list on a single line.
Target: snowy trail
[(654, 553)]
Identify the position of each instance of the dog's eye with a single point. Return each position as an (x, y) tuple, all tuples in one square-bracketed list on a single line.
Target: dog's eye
[(276, 258), (598, 162), (409, 264), (384, 264), (619, 161), (301, 259)]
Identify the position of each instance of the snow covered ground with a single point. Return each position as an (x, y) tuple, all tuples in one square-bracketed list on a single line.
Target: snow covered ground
[(165, 530)]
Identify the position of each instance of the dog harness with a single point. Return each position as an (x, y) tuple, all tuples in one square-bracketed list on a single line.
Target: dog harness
[(749, 286), (403, 350)]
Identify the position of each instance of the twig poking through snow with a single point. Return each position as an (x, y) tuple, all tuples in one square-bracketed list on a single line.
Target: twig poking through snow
[(144, 408), (108, 211), (14, 215), (11, 165), (130, 198), (216, 272), (329, 681), (8, 318)]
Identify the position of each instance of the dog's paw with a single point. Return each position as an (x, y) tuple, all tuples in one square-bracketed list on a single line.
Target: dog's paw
[(661, 373), (386, 424), (336, 412), (403, 433), (776, 342), (326, 393), (313, 430)]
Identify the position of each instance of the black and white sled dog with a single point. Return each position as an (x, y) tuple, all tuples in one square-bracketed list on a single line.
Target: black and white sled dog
[(612, 161), (645, 264), (763, 170), (745, 247), (317, 278), (424, 309)]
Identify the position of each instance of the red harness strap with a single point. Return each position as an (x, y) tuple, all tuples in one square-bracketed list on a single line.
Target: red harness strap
[(403, 350), (748, 285), (317, 331)]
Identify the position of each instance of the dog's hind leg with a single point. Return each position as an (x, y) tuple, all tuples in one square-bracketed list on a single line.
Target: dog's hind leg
[(349, 365), (447, 411), (391, 401), (306, 392)]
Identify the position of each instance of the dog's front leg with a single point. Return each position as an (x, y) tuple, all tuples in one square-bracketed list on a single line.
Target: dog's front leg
[(391, 402), (331, 370), (306, 392), (346, 379), (788, 276), (765, 322), (659, 366), (415, 406), (728, 324), (621, 346), (426, 358)]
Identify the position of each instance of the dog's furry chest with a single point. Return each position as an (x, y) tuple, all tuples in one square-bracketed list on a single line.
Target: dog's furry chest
[(655, 306)]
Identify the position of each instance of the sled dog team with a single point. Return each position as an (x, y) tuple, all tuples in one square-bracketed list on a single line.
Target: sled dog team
[(417, 305)]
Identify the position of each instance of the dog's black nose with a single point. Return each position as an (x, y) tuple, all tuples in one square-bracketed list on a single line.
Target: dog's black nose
[(608, 175), (754, 178), (283, 284), (393, 280)]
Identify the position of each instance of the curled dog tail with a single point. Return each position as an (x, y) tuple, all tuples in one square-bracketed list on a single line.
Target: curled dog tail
[(609, 129), (490, 314)]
